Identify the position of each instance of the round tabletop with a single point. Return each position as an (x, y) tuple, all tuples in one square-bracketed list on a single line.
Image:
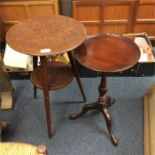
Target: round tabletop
[(108, 53), (43, 36)]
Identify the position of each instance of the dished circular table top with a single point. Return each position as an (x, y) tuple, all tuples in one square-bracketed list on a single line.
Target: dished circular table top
[(46, 35), (108, 53)]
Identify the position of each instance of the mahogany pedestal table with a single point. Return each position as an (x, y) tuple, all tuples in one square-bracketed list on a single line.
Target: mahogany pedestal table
[(49, 36), (106, 53)]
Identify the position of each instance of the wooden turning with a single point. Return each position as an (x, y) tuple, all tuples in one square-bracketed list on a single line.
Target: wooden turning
[(106, 53), (49, 36)]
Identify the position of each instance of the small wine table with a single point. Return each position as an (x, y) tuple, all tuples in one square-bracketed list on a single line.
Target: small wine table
[(49, 36), (106, 53)]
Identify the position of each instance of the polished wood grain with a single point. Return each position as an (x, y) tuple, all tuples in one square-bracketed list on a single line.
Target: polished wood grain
[(60, 75), (58, 34), (48, 36), (106, 53)]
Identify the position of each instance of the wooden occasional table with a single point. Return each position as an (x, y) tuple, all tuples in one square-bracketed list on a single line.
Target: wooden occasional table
[(48, 36), (106, 53)]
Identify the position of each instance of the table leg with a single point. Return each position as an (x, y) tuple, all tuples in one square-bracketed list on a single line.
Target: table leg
[(102, 103), (76, 74), (109, 125), (46, 95), (85, 108), (35, 92), (35, 59)]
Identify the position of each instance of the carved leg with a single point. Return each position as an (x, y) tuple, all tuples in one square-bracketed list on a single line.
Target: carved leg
[(85, 108), (102, 103), (46, 95), (102, 90), (76, 74), (109, 125), (106, 101)]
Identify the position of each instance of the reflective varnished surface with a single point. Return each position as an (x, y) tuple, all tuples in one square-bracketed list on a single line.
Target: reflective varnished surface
[(108, 53), (60, 75), (58, 34)]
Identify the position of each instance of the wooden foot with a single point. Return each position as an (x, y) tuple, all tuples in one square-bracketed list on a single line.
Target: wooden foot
[(86, 107), (109, 125)]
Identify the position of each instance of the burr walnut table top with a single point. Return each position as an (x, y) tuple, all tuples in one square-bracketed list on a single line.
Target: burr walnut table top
[(108, 53), (46, 35)]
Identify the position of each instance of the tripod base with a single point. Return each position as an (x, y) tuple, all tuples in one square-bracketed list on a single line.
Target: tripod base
[(101, 104)]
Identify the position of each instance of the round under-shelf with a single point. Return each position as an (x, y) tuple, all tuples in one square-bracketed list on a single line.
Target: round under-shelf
[(59, 75)]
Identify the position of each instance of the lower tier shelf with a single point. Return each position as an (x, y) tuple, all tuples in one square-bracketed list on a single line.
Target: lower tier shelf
[(59, 75)]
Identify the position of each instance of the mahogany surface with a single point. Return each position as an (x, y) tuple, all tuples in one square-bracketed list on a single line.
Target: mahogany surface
[(60, 75), (48, 36), (106, 53), (57, 33)]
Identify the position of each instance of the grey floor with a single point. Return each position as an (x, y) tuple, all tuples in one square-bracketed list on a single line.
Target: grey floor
[(85, 136)]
